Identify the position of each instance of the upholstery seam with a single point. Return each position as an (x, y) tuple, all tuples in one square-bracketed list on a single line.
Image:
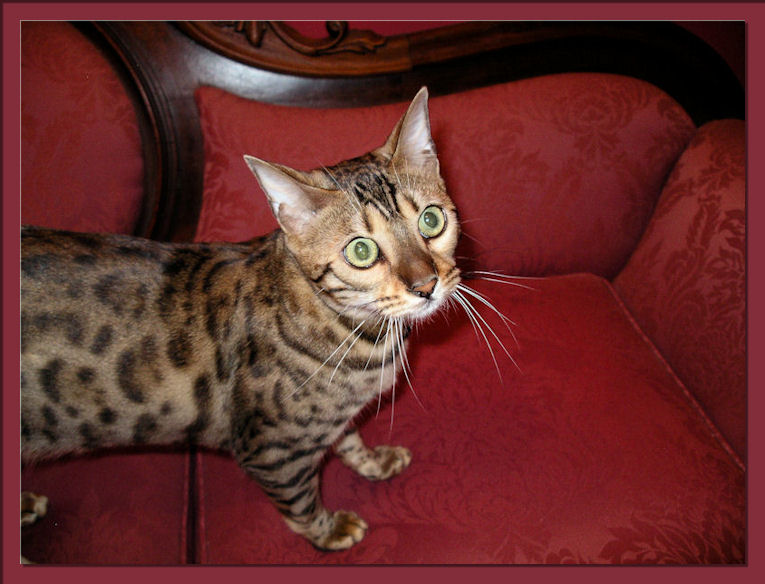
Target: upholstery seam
[(184, 552), (711, 427), (191, 502), (200, 543)]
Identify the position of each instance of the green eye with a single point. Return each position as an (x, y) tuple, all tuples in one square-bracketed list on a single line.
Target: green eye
[(361, 252), (432, 221)]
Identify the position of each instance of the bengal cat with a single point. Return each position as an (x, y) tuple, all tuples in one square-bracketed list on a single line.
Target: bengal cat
[(268, 349)]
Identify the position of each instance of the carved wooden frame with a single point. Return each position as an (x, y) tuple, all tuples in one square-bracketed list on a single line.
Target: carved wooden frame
[(279, 47)]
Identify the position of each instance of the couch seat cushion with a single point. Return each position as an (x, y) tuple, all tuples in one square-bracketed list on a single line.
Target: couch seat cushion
[(120, 508), (592, 452)]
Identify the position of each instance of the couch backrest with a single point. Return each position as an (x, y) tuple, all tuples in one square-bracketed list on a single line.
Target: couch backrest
[(554, 174), (470, 68)]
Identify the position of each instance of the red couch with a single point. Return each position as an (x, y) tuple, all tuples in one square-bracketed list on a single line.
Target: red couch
[(620, 437)]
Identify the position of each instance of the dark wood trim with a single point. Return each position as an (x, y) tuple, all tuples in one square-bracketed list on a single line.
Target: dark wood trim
[(147, 125), (276, 46), (154, 71), (164, 63)]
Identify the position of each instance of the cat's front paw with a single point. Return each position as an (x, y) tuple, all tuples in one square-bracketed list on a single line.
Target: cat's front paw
[(375, 464), (346, 529), (379, 464), (387, 461)]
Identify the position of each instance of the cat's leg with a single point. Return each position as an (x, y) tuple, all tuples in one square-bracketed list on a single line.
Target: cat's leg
[(33, 507), (290, 477), (376, 464), (330, 531)]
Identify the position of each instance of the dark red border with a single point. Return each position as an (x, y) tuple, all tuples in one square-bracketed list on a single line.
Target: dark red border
[(754, 15)]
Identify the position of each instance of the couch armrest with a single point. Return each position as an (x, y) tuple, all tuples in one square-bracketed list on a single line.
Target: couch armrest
[(686, 282)]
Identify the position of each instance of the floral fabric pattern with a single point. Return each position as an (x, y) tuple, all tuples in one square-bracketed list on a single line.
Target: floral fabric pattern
[(120, 508), (81, 159), (686, 283)]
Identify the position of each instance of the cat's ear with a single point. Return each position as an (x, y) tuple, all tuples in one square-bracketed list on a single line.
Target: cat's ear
[(411, 141), (293, 202)]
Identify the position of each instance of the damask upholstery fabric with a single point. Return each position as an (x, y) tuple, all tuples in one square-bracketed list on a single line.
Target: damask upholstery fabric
[(81, 160), (686, 282), (119, 508), (555, 174), (590, 451)]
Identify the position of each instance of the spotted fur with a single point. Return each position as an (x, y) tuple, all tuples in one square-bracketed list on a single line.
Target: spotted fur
[(268, 349)]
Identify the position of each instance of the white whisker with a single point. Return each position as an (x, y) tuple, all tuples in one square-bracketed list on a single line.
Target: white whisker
[(501, 278), (478, 241), (451, 305), (382, 368), (332, 177), (332, 354), (459, 299), (485, 301), (473, 220), (401, 344), (331, 377), (371, 353), (488, 327), (506, 321), (501, 275), (405, 362), (473, 316), (501, 282), (393, 388)]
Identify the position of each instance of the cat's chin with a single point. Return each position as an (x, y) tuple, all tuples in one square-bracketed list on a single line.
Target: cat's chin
[(425, 310), (411, 315)]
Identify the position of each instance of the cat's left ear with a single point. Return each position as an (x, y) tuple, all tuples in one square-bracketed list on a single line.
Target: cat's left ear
[(411, 140), (294, 202)]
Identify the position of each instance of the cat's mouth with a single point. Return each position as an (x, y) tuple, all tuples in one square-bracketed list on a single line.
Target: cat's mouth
[(426, 306), (404, 304), (429, 307), (417, 307), (432, 304)]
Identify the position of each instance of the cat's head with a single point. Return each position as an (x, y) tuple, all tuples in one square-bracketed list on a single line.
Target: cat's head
[(375, 234)]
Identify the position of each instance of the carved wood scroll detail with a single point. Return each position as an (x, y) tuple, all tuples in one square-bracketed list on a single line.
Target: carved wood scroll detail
[(277, 46), (340, 38), (347, 52)]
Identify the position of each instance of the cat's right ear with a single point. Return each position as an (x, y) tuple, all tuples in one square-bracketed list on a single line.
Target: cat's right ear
[(293, 202)]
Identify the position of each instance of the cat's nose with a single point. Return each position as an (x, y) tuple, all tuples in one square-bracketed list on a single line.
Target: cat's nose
[(424, 290)]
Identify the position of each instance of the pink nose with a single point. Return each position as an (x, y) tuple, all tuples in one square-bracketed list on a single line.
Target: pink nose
[(424, 290)]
